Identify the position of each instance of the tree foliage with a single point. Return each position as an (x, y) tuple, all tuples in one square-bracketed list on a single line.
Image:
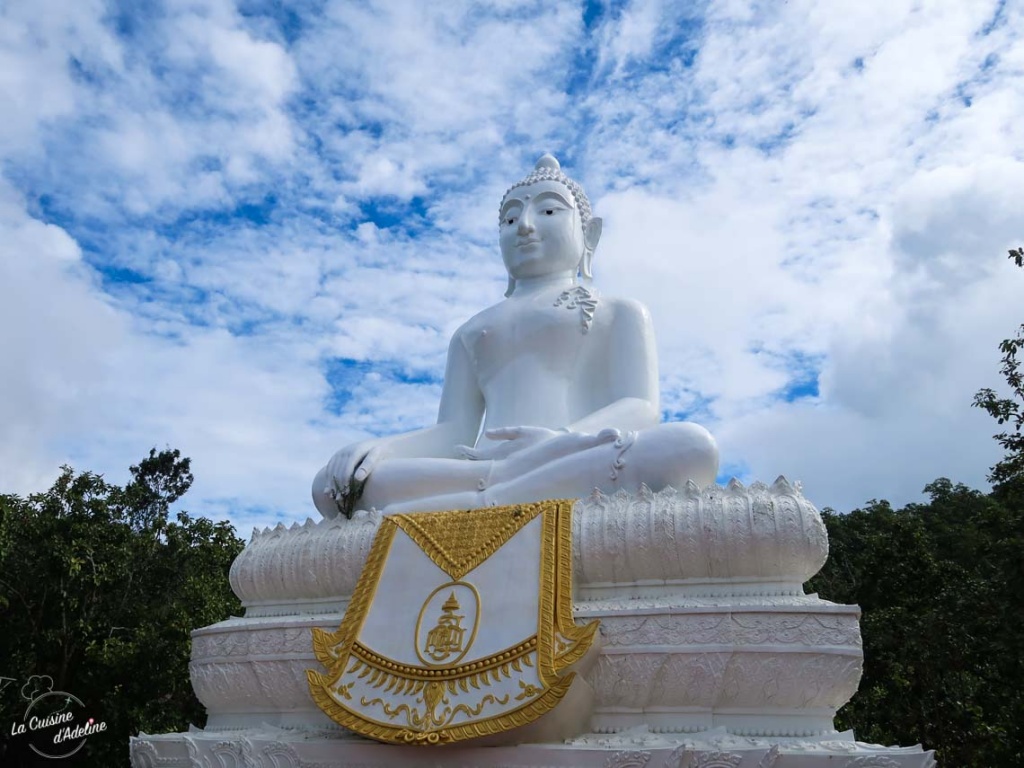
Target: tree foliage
[(1008, 410), (941, 587), (100, 588)]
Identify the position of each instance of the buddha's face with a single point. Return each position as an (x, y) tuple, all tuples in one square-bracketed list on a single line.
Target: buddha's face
[(540, 231)]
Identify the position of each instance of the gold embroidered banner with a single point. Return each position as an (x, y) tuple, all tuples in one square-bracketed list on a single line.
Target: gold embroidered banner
[(460, 626)]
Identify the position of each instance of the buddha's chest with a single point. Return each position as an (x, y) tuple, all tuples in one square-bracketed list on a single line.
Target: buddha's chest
[(530, 338)]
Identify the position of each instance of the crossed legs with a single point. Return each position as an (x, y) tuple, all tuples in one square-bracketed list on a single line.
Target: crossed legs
[(569, 466)]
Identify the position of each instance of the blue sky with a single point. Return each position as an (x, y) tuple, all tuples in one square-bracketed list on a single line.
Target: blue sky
[(246, 229)]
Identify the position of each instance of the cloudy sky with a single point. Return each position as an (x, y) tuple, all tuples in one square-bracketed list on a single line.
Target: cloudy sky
[(247, 228)]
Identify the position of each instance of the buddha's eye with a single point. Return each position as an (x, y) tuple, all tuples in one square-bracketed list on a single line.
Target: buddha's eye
[(510, 220), (550, 212)]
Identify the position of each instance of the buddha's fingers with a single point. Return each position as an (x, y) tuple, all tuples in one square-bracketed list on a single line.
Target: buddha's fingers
[(485, 453), (367, 465), (607, 435), (467, 452), (506, 433)]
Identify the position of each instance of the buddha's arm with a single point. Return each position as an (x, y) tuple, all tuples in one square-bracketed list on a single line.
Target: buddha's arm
[(341, 481), (458, 418), (625, 414), (631, 374)]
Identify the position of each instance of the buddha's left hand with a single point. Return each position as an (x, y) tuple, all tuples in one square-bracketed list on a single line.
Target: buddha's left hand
[(513, 440)]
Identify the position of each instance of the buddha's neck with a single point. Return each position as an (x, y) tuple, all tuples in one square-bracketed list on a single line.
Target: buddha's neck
[(528, 286)]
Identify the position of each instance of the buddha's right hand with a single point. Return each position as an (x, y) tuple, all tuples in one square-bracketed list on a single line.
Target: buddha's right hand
[(349, 469)]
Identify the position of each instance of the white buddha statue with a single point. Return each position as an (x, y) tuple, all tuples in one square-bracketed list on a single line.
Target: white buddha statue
[(550, 393)]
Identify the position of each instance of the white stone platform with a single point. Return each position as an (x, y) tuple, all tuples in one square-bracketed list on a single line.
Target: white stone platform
[(712, 656), (276, 748)]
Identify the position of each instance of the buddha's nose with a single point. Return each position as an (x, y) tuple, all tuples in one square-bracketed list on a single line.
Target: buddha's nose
[(525, 223)]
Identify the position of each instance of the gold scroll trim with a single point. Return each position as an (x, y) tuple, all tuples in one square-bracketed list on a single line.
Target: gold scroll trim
[(495, 661), (458, 541), (549, 578), (555, 608), (520, 716), (392, 682), (579, 638)]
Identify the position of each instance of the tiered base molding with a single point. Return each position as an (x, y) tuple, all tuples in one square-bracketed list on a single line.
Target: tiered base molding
[(277, 748)]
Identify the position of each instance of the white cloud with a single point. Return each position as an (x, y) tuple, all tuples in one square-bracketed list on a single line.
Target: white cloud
[(788, 187), (866, 232), (631, 36), (56, 332)]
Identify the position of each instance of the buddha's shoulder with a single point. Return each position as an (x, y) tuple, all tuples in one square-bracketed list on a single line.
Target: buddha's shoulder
[(481, 321), (622, 305), (618, 309)]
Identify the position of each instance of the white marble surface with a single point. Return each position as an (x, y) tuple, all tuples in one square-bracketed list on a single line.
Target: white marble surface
[(636, 749), (550, 393), (718, 540)]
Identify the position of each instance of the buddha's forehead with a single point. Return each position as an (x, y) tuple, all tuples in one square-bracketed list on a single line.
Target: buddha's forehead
[(529, 191)]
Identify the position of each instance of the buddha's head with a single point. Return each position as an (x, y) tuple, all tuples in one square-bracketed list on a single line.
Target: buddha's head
[(546, 227)]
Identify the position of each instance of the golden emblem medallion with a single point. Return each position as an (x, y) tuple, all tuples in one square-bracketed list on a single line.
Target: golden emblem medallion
[(446, 642), (418, 659)]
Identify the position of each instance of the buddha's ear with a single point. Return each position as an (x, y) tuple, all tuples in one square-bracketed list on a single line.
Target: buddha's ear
[(592, 232), (511, 286)]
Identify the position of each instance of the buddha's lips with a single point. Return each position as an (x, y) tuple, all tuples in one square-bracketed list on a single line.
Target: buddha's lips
[(523, 243)]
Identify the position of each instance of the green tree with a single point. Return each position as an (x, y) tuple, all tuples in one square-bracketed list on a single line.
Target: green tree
[(941, 594), (100, 588), (1008, 410)]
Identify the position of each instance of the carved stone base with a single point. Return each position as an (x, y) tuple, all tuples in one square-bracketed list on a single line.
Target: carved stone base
[(765, 666), (771, 666), (705, 630), (275, 748), (699, 593)]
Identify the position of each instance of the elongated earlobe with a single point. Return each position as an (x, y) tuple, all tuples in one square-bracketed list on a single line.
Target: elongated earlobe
[(591, 236), (586, 273), (511, 286)]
